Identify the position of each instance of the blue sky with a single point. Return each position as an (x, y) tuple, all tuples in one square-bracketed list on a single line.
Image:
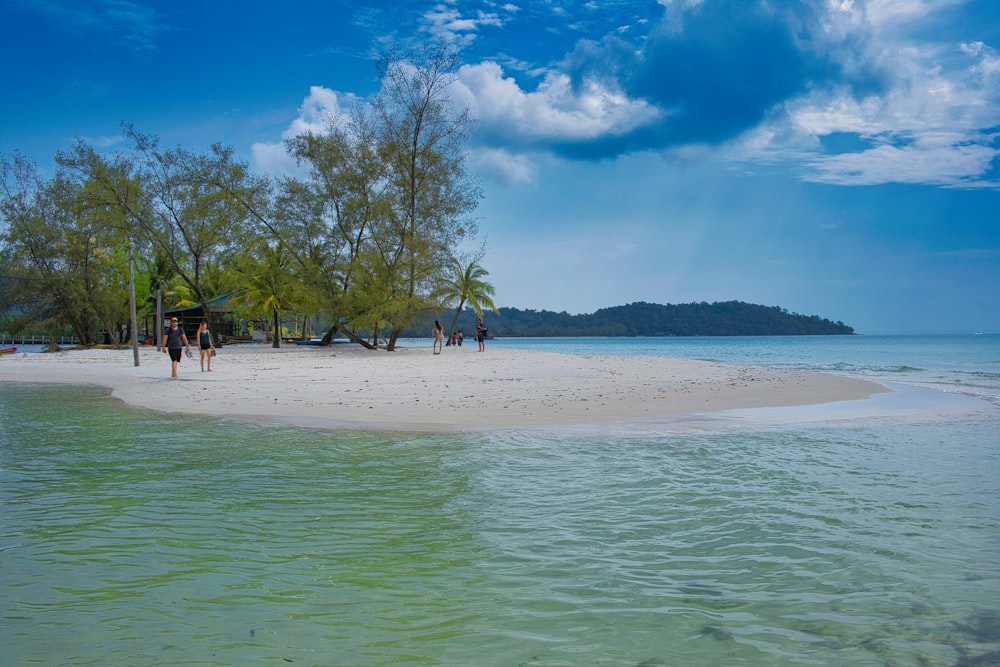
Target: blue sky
[(833, 157)]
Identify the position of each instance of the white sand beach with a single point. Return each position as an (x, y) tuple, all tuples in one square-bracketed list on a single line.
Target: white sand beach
[(345, 385)]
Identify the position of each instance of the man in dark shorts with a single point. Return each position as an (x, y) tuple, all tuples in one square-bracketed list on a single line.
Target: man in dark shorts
[(481, 335), (173, 340)]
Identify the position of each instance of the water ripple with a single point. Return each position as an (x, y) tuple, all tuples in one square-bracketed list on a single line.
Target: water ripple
[(142, 539)]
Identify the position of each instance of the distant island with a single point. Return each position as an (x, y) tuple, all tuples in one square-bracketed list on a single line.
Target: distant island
[(728, 318)]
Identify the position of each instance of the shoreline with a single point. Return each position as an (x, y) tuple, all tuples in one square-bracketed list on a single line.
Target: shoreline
[(345, 387)]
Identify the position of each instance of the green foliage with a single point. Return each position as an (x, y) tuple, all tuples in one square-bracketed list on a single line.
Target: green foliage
[(270, 288), (359, 238), (423, 141), (467, 286), (729, 318), (62, 254)]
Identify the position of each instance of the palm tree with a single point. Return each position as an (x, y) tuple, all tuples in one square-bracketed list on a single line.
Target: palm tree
[(467, 286), (271, 288)]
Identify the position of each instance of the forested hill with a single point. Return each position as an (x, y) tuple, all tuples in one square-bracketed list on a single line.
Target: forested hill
[(730, 318)]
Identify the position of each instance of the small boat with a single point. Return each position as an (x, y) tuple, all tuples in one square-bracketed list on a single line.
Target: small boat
[(8, 350), (311, 341)]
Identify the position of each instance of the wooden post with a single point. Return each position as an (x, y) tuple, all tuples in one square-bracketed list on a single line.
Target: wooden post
[(131, 304)]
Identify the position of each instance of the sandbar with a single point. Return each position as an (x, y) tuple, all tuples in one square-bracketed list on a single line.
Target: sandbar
[(346, 385)]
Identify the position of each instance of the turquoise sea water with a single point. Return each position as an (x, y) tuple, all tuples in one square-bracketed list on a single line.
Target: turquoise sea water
[(137, 538)]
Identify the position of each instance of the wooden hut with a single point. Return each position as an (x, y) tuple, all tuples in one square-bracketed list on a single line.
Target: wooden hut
[(219, 312)]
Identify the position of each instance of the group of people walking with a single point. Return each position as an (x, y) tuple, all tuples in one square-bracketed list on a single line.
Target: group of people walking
[(175, 341), (438, 334)]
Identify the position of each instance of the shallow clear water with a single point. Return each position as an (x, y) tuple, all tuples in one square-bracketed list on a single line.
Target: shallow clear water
[(135, 538), (966, 363)]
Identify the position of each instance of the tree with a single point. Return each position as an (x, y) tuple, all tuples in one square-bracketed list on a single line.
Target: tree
[(65, 255), (270, 287), (432, 197), (170, 199), (362, 237), (467, 286), (329, 217), (385, 201)]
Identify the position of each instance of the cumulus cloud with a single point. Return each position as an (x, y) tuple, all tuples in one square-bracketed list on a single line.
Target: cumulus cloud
[(321, 108), (707, 73), (722, 71), (555, 113), (764, 81), (853, 92), (935, 124)]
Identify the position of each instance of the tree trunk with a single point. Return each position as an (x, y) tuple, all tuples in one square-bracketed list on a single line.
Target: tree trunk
[(355, 338), (159, 319), (454, 321), (328, 336)]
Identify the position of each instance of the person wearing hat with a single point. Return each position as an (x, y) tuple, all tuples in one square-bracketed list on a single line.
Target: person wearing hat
[(173, 340)]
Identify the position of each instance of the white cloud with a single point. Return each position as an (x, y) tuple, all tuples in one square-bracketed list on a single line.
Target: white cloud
[(553, 111), (321, 108), (926, 124), (817, 117), (946, 164), (988, 65), (448, 24), (104, 141), (683, 4), (318, 110), (923, 125), (929, 125), (892, 12), (272, 158), (502, 165)]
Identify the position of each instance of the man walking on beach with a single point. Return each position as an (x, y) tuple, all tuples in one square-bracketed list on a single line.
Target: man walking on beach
[(173, 340)]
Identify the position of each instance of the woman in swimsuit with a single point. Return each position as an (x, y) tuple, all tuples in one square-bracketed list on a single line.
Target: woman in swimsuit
[(206, 346)]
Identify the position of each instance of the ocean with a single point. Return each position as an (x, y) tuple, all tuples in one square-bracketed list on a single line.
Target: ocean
[(811, 536)]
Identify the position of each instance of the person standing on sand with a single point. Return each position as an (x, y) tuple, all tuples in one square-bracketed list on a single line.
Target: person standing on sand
[(438, 333), (458, 337), (173, 340), (481, 334), (206, 346)]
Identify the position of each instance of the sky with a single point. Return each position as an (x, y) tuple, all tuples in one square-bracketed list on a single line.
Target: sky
[(838, 158)]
